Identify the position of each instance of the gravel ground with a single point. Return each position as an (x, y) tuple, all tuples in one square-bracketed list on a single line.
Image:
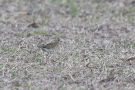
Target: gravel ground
[(96, 51)]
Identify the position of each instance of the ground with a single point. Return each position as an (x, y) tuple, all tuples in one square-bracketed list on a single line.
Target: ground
[(96, 49)]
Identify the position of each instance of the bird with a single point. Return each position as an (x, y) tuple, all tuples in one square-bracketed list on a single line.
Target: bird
[(50, 47)]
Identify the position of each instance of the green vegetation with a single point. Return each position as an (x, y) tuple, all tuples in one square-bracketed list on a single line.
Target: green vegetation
[(59, 69), (100, 56), (130, 19), (13, 74), (133, 45), (29, 76), (36, 57), (20, 35), (131, 9), (59, 34), (58, 1), (73, 7), (40, 32), (95, 18), (8, 49)]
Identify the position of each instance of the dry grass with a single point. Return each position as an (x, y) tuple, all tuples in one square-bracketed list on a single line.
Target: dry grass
[(96, 50)]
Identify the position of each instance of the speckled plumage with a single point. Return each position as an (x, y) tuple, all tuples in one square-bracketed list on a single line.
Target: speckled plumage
[(50, 47)]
